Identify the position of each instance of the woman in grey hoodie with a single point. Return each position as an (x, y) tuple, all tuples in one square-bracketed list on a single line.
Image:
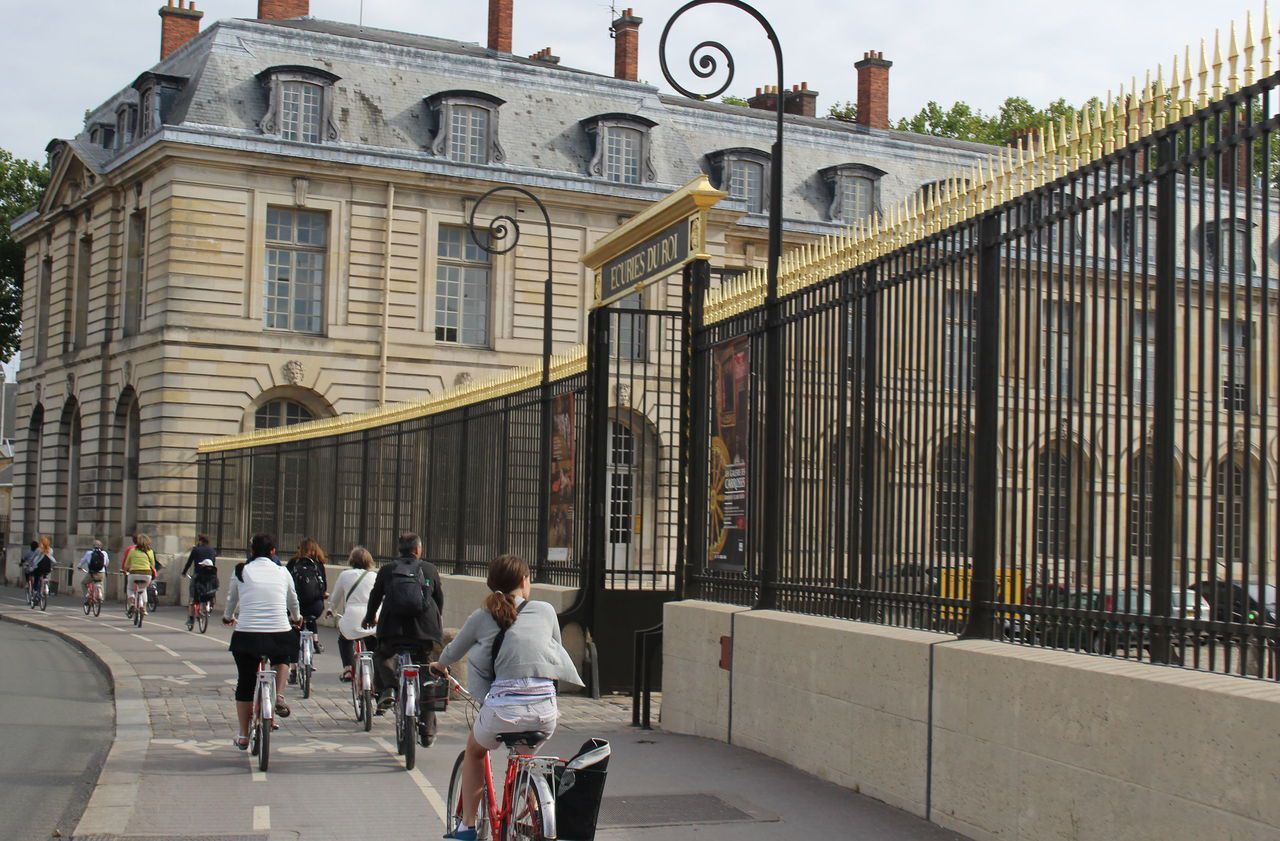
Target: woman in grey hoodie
[(514, 656)]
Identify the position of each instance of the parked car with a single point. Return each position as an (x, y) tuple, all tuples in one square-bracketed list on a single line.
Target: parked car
[(1230, 602), (1184, 604)]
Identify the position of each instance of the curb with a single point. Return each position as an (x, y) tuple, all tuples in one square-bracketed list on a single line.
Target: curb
[(111, 803)]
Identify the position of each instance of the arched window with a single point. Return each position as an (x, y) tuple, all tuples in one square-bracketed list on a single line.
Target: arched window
[(629, 337), (128, 441), (1053, 502), (69, 435), (33, 459), (1141, 473), (277, 413), (623, 473), (1234, 523), (951, 498)]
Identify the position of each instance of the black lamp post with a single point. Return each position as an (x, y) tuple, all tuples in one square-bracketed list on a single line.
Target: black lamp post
[(504, 235), (704, 64)]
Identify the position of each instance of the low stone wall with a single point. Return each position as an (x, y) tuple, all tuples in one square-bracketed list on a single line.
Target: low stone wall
[(991, 740)]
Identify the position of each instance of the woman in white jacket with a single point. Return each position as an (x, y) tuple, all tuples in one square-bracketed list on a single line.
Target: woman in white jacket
[(348, 601)]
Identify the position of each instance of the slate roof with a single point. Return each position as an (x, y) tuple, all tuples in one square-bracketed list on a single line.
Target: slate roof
[(380, 110)]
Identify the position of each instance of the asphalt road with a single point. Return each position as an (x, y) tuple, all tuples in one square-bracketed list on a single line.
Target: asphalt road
[(56, 725)]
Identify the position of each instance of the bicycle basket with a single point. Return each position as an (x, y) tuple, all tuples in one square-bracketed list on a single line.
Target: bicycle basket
[(579, 791), (435, 694)]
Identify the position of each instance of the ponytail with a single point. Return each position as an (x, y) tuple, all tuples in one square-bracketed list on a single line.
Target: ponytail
[(506, 574)]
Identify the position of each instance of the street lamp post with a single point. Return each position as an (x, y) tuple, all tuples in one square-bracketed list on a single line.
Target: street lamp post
[(504, 235), (704, 64)]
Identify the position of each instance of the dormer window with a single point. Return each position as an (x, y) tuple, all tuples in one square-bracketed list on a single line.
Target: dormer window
[(465, 126), (621, 148), (156, 94), (855, 192), (126, 123), (744, 175), (146, 113), (1228, 245), (299, 104), (1138, 234), (103, 135)]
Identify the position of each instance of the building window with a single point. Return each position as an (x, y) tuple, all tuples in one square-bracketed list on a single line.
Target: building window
[(1234, 360), (462, 288), (1050, 234), (1228, 246), (135, 265), (1141, 473), (279, 413), (1144, 357), (951, 498), (629, 339), (854, 192), (296, 250), (1057, 348), (1053, 502), (126, 122), (961, 338), (84, 258), (1138, 235), (146, 118), (299, 104), (156, 94), (466, 126), (744, 174), (621, 153), (1229, 516), (41, 342), (624, 475)]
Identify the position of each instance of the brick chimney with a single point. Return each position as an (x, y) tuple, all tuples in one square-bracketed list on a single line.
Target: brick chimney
[(545, 55), (283, 9), (626, 46), (766, 99), (873, 90), (178, 25), (500, 16), (801, 101)]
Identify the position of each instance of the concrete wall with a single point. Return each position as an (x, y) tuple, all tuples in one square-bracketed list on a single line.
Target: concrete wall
[(991, 740)]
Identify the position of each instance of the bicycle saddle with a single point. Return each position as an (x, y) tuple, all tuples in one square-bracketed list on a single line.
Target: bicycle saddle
[(529, 738)]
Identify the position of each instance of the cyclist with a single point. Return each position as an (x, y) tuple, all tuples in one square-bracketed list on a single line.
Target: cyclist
[(409, 595), (139, 566), (94, 566), (41, 564), (514, 655), (350, 597), (262, 593), (311, 584), (203, 565), (28, 563)]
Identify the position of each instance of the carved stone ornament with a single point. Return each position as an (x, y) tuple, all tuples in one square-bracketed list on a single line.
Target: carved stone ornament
[(462, 380), (1237, 441), (1064, 429), (293, 372), (624, 395), (39, 392), (71, 384), (126, 375)]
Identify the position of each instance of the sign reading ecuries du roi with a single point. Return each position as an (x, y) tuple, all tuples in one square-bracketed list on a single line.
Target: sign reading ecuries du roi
[(730, 454)]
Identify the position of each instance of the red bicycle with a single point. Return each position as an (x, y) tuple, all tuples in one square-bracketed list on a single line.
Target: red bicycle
[(527, 808)]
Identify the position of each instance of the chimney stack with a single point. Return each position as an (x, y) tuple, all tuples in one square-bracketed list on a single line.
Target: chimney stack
[(873, 90), (283, 9), (500, 15), (178, 25), (766, 99), (799, 100), (626, 46), (545, 55)]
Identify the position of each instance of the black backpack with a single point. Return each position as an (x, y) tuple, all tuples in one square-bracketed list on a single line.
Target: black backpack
[(97, 561), (408, 591), (306, 576)]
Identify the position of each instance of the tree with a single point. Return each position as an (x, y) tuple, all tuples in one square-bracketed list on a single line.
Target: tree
[(964, 122), (846, 112), (21, 184), (735, 100)]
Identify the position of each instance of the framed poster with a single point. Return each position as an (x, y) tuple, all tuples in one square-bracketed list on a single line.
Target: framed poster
[(563, 478), (730, 454)]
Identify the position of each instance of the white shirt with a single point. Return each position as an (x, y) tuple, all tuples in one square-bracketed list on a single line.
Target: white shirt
[(84, 562), (264, 596), (350, 610)]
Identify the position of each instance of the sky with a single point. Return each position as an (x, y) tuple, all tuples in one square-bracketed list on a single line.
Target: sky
[(979, 51)]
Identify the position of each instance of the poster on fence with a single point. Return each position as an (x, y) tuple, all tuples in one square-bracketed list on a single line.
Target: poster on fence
[(563, 478), (730, 456)]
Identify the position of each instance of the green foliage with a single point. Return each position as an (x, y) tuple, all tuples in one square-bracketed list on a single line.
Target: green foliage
[(21, 183), (964, 122), (734, 100), (844, 111)]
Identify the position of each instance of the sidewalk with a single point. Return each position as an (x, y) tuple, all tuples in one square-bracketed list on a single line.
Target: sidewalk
[(330, 780)]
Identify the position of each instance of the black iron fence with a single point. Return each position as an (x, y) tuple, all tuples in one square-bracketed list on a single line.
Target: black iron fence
[(1047, 416)]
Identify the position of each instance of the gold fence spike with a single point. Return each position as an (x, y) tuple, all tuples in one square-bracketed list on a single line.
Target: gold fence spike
[(1134, 116), (1187, 102), (1217, 65), (1146, 103), (1109, 124), (1233, 62), (1265, 41), (1203, 98), (1249, 69), (1175, 104)]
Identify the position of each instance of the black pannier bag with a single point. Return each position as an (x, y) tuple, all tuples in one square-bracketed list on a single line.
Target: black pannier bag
[(579, 790)]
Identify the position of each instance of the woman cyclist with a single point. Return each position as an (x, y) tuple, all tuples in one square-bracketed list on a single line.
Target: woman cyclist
[(140, 566), (310, 583), (263, 593), (41, 565), (349, 600), (202, 563), (518, 684)]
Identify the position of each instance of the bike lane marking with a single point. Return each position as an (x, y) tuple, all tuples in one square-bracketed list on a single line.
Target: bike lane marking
[(428, 790), (261, 818), (193, 667)]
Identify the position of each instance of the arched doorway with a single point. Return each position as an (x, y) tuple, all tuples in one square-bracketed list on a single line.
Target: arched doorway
[(127, 434), (69, 446), (33, 459), (631, 482)]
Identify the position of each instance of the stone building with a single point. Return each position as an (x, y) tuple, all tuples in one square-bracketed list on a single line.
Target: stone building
[(268, 226)]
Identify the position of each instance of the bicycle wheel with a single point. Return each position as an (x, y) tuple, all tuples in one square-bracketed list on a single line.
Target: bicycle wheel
[(410, 741), (525, 820), (97, 607), (88, 605), (264, 739), (137, 618), (304, 679), (202, 619), (399, 728), (453, 803), (44, 601), (367, 704), (153, 601)]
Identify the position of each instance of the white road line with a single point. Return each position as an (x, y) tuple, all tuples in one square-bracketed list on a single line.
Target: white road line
[(262, 817), (167, 650), (144, 639), (193, 667), (427, 789)]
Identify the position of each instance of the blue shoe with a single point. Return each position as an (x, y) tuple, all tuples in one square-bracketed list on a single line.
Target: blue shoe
[(462, 835)]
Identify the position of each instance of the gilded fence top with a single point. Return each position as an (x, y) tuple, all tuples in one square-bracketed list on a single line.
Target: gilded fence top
[(510, 382)]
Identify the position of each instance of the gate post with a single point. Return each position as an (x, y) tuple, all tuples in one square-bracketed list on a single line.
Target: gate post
[(691, 546), (982, 582), (460, 536), (867, 454), (598, 450)]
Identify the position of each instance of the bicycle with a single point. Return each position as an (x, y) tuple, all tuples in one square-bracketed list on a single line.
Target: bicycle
[(362, 685), (262, 720), (93, 599), (406, 708), (38, 597), (527, 809), (200, 612), (304, 668), (135, 604)]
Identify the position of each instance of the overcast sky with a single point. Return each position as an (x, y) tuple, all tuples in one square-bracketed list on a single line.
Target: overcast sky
[(59, 58)]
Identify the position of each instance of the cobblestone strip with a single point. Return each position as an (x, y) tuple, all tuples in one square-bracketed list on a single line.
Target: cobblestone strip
[(111, 805)]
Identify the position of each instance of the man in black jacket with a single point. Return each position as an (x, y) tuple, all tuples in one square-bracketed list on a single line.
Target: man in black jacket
[(408, 592)]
